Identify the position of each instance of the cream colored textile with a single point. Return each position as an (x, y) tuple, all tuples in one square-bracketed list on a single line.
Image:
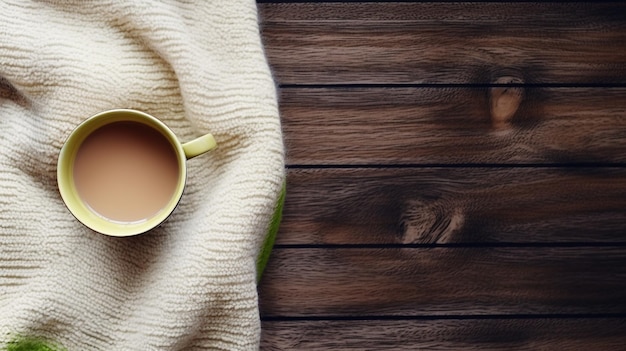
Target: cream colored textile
[(198, 66)]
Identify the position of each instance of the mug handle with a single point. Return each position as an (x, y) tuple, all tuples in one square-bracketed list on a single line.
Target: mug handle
[(199, 146)]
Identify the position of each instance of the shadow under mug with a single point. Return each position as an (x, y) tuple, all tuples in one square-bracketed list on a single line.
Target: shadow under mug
[(69, 185)]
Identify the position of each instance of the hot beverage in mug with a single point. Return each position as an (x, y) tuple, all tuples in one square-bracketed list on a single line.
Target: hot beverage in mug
[(122, 172)]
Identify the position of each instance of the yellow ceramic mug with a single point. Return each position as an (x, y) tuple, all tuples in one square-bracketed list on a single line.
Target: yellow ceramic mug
[(122, 172)]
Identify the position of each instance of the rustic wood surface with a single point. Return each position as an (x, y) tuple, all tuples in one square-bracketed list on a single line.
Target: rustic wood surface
[(420, 125), (453, 205), (445, 281), (446, 334), (456, 176), (466, 43)]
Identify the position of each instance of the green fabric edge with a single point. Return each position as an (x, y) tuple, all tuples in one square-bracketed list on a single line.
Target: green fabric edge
[(23, 343), (268, 244)]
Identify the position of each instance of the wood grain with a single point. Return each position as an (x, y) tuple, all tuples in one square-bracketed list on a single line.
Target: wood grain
[(455, 176), (444, 282), (452, 125), (466, 43), (454, 205), (605, 334)]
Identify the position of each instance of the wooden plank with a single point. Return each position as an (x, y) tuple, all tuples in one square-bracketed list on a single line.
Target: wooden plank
[(457, 334), (454, 205), (452, 125), (444, 282), (342, 43)]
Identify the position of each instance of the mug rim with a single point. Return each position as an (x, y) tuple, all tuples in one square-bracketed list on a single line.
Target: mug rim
[(65, 177)]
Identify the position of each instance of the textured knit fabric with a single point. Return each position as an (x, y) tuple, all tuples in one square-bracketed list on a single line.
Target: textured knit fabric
[(190, 284)]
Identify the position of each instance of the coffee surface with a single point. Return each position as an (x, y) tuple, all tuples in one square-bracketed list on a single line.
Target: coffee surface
[(126, 171)]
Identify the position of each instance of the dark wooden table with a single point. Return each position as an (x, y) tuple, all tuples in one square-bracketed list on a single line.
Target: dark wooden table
[(456, 176)]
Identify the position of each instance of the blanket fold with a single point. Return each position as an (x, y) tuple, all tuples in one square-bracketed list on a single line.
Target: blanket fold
[(189, 284)]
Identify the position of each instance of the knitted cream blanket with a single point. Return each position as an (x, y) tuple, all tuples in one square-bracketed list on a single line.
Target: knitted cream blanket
[(190, 284)]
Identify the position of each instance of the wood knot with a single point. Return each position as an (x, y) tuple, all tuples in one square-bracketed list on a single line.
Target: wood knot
[(431, 222), (504, 101)]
